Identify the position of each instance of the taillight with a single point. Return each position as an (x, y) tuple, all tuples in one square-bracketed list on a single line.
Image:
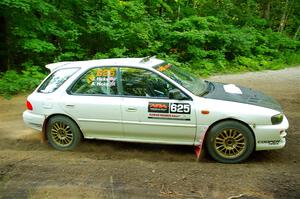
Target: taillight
[(28, 105)]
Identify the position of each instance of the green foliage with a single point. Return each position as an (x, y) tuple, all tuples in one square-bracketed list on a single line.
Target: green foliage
[(12, 83), (38, 46), (202, 36)]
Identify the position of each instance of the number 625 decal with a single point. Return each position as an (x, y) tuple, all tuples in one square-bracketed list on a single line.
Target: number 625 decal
[(180, 108)]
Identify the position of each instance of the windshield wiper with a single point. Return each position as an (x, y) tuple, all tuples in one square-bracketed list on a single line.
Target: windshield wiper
[(208, 88)]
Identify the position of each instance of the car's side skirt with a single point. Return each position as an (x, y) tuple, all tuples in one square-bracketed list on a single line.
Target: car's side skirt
[(139, 123), (144, 141)]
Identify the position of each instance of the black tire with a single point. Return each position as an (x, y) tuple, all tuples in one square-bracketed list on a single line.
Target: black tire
[(62, 133), (229, 142)]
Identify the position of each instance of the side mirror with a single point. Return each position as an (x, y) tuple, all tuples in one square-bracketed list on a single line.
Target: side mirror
[(177, 94)]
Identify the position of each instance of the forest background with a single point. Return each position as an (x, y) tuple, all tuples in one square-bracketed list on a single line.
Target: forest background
[(203, 36)]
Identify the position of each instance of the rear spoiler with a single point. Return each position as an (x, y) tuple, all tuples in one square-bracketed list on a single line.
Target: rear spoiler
[(52, 67)]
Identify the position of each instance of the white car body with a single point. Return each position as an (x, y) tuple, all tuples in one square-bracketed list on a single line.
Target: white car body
[(125, 118)]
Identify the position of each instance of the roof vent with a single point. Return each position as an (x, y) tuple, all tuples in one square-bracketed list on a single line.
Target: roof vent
[(146, 59)]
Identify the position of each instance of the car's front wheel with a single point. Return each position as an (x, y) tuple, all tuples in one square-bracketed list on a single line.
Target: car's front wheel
[(230, 142), (62, 133)]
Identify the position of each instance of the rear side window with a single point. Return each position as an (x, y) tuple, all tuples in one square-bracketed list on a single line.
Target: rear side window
[(54, 81), (97, 81)]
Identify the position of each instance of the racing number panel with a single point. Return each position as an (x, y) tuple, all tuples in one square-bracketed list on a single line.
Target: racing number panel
[(174, 111)]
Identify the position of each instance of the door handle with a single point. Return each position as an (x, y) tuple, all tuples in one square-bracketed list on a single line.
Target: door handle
[(131, 109)]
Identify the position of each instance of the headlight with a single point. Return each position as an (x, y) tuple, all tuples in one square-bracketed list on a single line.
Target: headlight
[(277, 119)]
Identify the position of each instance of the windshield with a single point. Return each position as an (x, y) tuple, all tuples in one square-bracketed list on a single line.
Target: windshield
[(184, 78)]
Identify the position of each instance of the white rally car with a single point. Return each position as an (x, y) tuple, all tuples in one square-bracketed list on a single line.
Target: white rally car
[(148, 100)]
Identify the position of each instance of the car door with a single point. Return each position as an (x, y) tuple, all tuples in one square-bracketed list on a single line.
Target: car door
[(147, 112), (94, 102)]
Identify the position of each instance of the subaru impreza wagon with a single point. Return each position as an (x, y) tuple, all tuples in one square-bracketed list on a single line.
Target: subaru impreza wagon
[(148, 100)]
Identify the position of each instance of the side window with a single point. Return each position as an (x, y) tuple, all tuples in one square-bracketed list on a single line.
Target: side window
[(140, 82), (98, 81)]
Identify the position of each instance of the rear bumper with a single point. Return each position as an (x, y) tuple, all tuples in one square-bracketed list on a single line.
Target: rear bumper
[(33, 120), (269, 137)]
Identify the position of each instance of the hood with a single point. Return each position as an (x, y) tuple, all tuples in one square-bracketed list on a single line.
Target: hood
[(231, 92)]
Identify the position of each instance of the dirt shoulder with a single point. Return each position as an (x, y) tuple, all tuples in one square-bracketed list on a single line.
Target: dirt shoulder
[(102, 169)]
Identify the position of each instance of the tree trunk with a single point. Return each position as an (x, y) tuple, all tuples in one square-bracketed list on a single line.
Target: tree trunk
[(283, 17), (267, 10), (178, 12), (4, 47), (195, 4), (296, 33)]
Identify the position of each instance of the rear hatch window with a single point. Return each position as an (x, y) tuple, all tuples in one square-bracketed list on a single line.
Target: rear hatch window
[(54, 81)]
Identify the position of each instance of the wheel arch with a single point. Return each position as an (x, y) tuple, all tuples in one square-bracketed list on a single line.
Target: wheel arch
[(230, 119), (44, 137)]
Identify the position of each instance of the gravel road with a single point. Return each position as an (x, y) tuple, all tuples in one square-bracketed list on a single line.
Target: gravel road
[(102, 169)]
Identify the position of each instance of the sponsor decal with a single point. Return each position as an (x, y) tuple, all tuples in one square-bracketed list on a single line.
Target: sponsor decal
[(163, 68), (231, 88), (158, 107), (102, 77), (102, 72), (104, 81), (270, 142), (90, 79), (163, 110)]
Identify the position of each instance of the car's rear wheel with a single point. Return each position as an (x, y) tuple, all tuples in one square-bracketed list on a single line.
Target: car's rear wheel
[(62, 133), (230, 142)]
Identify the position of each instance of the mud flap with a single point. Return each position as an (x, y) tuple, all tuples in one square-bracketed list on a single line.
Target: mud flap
[(198, 149), (43, 135)]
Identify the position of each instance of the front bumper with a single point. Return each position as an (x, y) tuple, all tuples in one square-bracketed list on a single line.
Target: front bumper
[(269, 137), (33, 120)]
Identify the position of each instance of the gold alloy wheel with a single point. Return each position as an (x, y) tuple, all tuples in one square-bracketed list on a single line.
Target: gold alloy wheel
[(61, 134), (230, 143)]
